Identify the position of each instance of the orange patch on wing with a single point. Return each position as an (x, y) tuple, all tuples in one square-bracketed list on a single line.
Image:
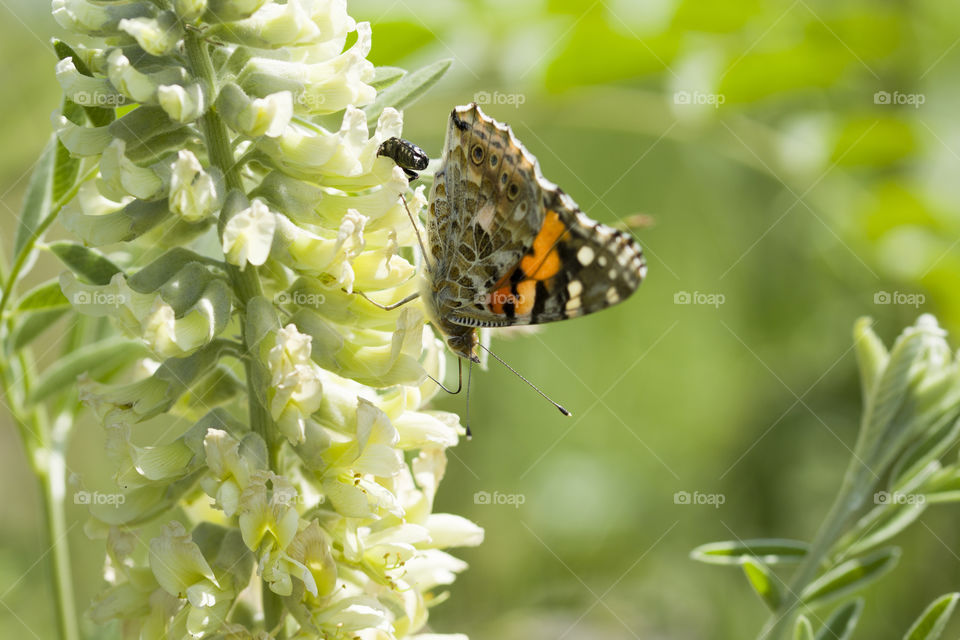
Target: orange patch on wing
[(540, 266), (500, 297), (526, 296), (522, 302), (544, 262)]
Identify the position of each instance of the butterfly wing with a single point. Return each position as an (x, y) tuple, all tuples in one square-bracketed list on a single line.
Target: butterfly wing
[(575, 266), (484, 206), (508, 246)]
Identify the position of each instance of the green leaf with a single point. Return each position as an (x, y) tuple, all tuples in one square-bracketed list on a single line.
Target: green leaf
[(842, 622), (37, 203), (164, 268), (763, 581), (767, 550), (883, 430), (872, 356), (934, 443), (31, 325), (881, 524), (44, 297), (944, 486), (850, 576), (89, 264), (97, 359), (66, 168), (933, 620), (802, 629), (383, 77), (99, 116), (406, 89)]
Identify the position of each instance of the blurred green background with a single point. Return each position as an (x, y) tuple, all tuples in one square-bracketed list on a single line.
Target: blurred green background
[(799, 161)]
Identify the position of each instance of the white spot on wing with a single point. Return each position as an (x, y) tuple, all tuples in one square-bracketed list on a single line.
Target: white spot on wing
[(485, 216), (585, 255), (574, 288)]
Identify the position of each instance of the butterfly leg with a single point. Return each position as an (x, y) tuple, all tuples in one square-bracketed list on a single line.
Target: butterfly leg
[(459, 379), (389, 307), (416, 230)]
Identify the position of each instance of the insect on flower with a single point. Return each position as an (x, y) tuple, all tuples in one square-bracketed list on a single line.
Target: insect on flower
[(505, 246)]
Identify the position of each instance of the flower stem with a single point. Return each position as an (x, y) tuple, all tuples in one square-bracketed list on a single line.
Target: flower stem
[(858, 481), (45, 452), (246, 282), (53, 485)]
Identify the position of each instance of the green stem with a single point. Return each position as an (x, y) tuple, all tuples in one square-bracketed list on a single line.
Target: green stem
[(53, 487), (46, 450), (858, 482), (246, 282), (46, 454)]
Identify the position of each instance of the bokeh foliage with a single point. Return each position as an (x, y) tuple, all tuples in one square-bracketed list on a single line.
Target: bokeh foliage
[(800, 198)]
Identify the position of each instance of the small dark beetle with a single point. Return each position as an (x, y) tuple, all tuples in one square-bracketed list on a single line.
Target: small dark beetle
[(407, 155)]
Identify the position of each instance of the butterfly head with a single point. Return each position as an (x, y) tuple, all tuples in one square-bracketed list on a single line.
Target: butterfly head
[(440, 301), (463, 343)]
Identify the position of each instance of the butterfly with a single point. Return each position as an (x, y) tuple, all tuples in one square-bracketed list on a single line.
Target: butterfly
[(505, 246)]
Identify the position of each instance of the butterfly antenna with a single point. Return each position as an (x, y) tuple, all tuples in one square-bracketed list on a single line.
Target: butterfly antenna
[(469, 376), (459, 380), (530, 384), (416, 230)]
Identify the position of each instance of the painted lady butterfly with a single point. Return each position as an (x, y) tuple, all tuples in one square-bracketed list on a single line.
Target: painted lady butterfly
[(505, 246)]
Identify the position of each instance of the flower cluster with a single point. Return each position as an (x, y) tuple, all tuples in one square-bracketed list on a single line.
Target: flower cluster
[(277, 467)]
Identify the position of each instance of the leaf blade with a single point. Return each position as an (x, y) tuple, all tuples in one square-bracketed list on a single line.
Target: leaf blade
[(38, 201), (842, 622), (763, 581), (768, 550), (850, 576), (933, 620), (406, 89), (85, 262)]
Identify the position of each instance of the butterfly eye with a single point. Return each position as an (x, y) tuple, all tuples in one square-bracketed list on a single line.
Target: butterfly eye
[(476, 154), (513, 191)]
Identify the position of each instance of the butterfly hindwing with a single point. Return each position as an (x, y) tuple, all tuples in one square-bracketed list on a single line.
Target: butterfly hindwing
[(575, 266)]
